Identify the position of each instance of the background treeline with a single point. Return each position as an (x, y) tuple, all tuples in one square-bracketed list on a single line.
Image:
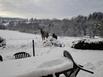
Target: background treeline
[(91, 25)]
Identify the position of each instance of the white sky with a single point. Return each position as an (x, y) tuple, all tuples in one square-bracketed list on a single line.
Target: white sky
[(49, 8)]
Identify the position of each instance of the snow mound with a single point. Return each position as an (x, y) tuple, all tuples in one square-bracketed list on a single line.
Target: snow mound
[(34, 67)]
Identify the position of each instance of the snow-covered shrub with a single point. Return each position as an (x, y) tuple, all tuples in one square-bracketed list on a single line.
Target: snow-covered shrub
[(88, 44), (50, 41), (2, 42)]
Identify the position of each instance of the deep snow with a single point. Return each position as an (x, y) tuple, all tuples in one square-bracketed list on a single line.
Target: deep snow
[(17, 41)]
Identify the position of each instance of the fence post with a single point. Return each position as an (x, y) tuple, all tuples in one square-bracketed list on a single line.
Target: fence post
[(33, 48)]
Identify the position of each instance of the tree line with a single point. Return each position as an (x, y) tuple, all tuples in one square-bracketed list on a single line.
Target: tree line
[(91, 25)]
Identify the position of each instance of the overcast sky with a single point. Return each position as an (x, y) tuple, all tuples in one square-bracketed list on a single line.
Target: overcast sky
[(49, 8)]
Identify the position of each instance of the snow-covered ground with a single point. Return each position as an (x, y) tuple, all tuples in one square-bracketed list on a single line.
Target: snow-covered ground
[(22, 42)]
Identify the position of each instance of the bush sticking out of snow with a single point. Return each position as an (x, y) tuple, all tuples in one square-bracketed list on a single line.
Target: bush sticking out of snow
[(1, 58), (88, 44), (50, 41), (2, 42)]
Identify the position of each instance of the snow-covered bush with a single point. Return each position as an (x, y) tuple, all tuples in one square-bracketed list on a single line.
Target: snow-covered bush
[(2, 42), (88, 44), (50, 41)]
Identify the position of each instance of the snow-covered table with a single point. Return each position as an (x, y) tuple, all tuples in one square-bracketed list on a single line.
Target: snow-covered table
[(31, 67)]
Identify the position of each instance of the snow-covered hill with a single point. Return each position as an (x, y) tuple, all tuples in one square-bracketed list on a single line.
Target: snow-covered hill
[(17, 42)]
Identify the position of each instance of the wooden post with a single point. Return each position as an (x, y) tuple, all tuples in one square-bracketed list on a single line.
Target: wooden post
[(33, 48)]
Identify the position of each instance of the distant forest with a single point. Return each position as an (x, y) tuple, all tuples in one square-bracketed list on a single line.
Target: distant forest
[(91, 25)]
